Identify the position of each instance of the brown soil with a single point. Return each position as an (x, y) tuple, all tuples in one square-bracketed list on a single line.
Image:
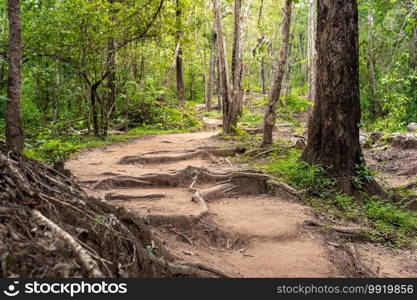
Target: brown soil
[(244, 231)]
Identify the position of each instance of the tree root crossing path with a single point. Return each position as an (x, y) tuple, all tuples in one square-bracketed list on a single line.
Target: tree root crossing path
[(222, 218)]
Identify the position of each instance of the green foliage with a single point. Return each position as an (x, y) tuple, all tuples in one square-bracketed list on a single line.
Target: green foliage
[(3, 103), (153, 113), (52, 151), (58, 141), (286, 164), (388, 82), (391, 223), (250, 118), (297, 104), (363, 174)]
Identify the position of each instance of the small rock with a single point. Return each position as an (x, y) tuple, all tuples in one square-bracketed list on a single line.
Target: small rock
[(412, 127), (362, 139)]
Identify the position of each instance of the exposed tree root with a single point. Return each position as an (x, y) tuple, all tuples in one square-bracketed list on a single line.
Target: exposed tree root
[(114, 196), (408, 172), (89, 264), (120, 181), (361, 269), (202, 267), (351, 231), (192, 269), (217, 192), (41, 208), (248, 183), (156, 157)]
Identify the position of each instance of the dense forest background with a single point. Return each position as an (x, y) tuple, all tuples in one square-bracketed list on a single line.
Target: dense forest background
[(95, 67)]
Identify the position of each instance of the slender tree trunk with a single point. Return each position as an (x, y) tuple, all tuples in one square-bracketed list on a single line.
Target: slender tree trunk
[(111, 79), (14, 130), (289, 69), (237, 55), (263, 83), (179, 64), (333, 136), (237, 63), (275, 92), (262, 66), (94, 110), (229, 114), (312, 53), (372, 67), (2, 59), (219, 84), (210, 82)]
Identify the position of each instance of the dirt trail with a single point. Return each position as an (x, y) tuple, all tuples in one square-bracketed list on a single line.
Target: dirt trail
[(208, 211)]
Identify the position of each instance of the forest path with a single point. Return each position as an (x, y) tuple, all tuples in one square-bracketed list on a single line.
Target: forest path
[(208, 211)]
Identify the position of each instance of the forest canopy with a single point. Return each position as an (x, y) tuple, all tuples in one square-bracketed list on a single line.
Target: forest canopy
[(121, 53)]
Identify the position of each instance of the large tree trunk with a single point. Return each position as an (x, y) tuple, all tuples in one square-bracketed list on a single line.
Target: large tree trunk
[(14, 130), (229, 113), (333, 135), (179, 64), (275, 92)]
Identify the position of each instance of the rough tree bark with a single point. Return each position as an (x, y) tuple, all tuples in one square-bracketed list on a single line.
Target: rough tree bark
[(333, 134), (179, 64), (14, 130), (275, 92)]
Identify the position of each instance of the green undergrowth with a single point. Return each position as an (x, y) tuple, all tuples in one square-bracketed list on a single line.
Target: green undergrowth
[(250, 118), (56, 149), (388, 222), (55, 143)]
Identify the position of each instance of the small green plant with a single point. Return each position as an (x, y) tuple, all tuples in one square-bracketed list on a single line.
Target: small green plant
[(363, 175), (96, 220)]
